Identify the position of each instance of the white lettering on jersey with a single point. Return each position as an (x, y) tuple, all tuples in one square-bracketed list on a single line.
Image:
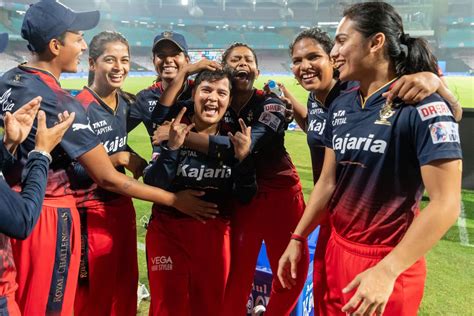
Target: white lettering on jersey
[(368, 143), (113, 146), (433, 109), (203, 172), (315, 110), (152, 105), (317, 127), (270, 119), (7, 105), (444, 132), (101, 127), (339, 118), (161, 263), (274, 107)]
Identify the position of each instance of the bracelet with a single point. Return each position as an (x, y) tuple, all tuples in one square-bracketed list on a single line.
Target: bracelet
[(298, 238), (42, 152)]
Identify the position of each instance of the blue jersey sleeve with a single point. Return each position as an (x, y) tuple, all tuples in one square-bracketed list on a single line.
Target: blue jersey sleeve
[(20, 212), (163, 170), (267, 123), (135, 116), (434, 131), (6, 159)]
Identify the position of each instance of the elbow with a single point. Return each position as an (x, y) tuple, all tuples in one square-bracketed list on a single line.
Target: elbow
[(108, 181)]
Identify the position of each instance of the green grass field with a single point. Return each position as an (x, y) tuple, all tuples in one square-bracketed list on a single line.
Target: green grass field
[(449, 287), (462, 87)]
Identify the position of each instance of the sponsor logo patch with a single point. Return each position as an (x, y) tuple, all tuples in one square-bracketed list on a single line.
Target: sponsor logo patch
[(274, 107), (269, 119), (161, 263), (433, 109), (444, 132)]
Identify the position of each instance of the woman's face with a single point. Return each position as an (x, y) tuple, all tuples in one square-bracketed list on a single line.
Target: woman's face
[(311, 65), (244, 67), (112, 67), (211, 100), (351, 52), (168, 60)]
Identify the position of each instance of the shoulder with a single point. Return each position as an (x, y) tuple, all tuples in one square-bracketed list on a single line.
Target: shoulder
[(85, 98), (18, 87), (431, 107)]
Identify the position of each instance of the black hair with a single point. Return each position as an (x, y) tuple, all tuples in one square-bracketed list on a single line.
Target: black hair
[(234, 45), (97, 47), (409, 55), (320, 37), (315, 33), (212, 76)]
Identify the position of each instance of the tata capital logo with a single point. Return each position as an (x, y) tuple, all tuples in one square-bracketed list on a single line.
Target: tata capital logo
[(161, 263)]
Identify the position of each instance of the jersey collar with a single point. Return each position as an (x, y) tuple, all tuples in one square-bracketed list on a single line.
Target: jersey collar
[(374, 95)]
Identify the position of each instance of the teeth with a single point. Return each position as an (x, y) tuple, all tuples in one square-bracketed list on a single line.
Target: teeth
[(309, 76)]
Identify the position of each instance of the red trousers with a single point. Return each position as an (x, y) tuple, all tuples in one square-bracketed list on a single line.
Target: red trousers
[(47, 261), (108, 275), (188, 265), (345, 259), (270, 216)]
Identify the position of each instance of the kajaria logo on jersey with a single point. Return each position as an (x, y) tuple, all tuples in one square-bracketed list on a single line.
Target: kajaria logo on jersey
[(114, 145), (317, 127), (343, 144), (161, 263), (186, 170)]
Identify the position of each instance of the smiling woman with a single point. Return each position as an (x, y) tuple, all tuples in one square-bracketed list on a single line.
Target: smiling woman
[(108, 219)]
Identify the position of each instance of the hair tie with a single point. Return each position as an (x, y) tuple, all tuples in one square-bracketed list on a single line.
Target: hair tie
[(404, 38)]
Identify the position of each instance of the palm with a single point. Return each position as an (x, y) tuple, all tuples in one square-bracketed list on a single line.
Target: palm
[(19, 127)]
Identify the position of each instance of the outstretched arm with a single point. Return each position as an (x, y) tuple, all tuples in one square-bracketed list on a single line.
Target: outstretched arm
[(375, 285), (313, 215)]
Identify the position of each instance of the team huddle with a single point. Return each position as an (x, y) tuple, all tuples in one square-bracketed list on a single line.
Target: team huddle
[(381, 128)]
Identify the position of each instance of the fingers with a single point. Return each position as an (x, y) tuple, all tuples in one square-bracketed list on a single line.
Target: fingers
[(352, 304), (371, 309), (283, 273), (179, 116), (31, 108), (66, 122), (243, 126), (41, 120), (352, 285), (189, 128), (7, 119)]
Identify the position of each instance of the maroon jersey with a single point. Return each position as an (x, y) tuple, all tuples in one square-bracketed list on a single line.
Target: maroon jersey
[(266, 116)]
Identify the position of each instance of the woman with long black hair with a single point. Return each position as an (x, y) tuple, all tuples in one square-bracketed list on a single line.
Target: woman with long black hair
[(380, 153)]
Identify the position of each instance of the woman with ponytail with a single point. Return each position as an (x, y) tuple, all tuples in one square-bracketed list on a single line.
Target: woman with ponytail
[(380, 154)]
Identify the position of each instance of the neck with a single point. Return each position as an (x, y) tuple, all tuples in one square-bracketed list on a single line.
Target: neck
[(47, 65), (204, 128), (376, 78), (240, 99), (108, 95), (321, 95), (164, 84)]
